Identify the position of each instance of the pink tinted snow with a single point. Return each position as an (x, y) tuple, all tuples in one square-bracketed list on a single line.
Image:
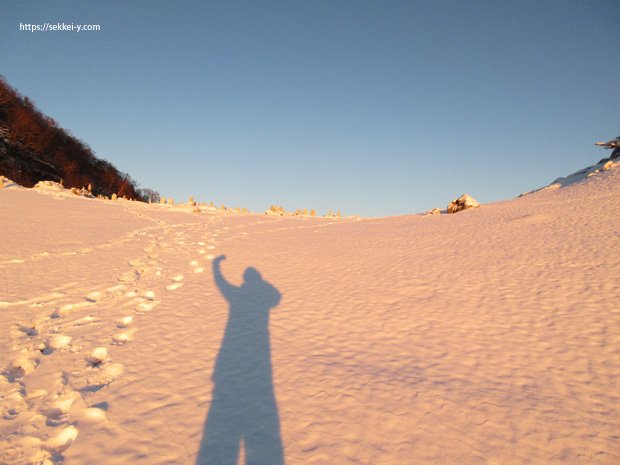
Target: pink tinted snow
[(489, 336)]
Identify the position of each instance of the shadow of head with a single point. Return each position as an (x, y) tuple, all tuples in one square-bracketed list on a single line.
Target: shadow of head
[(251, 276)]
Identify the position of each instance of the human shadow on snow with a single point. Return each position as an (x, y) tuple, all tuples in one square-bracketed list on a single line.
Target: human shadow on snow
[(243, 407)]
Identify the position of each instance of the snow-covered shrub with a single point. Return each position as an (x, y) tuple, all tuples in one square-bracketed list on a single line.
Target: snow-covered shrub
[(276, 210), (464, 202)]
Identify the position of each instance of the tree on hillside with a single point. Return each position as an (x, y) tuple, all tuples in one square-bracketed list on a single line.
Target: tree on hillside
[(33, 148)]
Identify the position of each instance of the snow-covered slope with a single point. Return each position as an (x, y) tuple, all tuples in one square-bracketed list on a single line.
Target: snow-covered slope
[(487, 337)]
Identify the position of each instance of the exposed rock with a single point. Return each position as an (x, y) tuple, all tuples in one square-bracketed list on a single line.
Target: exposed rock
[(464, 202)]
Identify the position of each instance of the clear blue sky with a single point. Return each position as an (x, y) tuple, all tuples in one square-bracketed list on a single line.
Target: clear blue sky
[(376, 108)]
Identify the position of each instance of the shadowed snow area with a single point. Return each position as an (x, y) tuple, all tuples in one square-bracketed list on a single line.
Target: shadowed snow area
[(491, 336)]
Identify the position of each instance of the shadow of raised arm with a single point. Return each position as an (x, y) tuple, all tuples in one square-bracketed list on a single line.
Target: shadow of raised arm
[(224, 286)]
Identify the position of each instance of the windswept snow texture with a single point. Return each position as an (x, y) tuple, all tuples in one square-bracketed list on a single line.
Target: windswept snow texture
[(487, 337)]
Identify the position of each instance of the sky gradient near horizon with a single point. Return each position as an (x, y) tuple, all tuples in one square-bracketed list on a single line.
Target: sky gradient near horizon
[(376, 108)]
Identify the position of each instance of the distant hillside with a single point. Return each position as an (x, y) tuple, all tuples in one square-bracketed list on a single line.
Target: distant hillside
[(33, 148)]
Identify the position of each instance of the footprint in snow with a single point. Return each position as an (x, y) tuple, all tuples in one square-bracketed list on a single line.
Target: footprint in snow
[(123, 337), (61, 442), (68, 308), (93, 415), (147, 306), (124, 322), (12, 405), (57, 412), (116, 289), (19, 367), (88, 319), (93, 296), (174, 286), (97, 377), (98, 356), (56, 342), (30, 329), (129, 276)]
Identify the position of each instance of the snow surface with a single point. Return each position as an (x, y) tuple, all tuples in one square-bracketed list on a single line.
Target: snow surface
[(491, 336)]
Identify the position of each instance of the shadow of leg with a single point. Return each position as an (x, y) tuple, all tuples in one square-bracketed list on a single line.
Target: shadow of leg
[(222, 435), (263, 444)]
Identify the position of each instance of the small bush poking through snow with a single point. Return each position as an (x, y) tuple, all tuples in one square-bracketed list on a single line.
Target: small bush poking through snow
[(331, 214), (276, 210)]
